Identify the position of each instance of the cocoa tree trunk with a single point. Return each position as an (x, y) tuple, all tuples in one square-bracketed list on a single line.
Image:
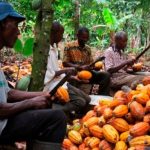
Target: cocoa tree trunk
[(41, 47), (76, 17)]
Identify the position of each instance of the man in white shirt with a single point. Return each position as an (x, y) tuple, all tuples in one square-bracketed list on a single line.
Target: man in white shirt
[(78, 99)]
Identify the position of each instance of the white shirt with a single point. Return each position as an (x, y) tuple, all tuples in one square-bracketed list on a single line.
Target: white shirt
[(50, 80)]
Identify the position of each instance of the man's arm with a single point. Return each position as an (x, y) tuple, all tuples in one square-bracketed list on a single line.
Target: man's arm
[(9, 109), (16, 95), (117, 68), (66, 70)]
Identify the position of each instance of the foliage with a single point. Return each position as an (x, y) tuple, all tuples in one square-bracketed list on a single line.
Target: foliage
[(114, 14), (26, 49)]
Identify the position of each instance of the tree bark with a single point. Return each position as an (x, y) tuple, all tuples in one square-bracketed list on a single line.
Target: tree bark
[(76, 17), (42, 43)]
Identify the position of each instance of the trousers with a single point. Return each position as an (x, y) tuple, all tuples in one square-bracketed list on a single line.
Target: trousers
[(45, 125)]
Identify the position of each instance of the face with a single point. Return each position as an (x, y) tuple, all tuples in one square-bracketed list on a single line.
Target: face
[(10, 32), (83, 38), (58, 35), (121, 43)]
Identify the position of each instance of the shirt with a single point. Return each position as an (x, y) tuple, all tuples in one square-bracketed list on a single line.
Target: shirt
[(4, 89), (73, 53), (50, 80), (113, 58)]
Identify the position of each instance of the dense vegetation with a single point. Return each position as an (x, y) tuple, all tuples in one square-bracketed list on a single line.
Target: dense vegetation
[(128, 15)]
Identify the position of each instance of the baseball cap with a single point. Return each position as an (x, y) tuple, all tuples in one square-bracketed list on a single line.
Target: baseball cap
[(7, 10)]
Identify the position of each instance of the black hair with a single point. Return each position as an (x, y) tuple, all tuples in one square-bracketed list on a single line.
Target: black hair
[(56, 26), (82, 29), (120, 35)]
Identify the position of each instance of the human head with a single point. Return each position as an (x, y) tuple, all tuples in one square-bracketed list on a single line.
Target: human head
[(83, 36), (121, 39), (9, 20), (57, 31)]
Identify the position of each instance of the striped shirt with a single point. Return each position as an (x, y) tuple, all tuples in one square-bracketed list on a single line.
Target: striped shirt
[(113, 58)]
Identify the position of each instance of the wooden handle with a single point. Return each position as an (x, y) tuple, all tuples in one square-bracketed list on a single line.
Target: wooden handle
[(139, 55)]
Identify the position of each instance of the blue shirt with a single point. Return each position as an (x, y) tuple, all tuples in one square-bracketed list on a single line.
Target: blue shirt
[(4, 89)]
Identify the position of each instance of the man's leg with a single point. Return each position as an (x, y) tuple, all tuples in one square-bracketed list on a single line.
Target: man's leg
[(45, 125), (103, 80)]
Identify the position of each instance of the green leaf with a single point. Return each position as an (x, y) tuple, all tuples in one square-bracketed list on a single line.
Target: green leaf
[(18, 47), (28, 47), (109, 18)]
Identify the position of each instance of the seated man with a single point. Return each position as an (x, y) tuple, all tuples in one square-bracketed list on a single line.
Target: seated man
[(116, 63), (25, 116), (77, 54), (78, 99)]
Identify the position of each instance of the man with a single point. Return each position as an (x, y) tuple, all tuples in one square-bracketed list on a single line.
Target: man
[(25, 116), (77, 54), (117, 62), (78, 99)]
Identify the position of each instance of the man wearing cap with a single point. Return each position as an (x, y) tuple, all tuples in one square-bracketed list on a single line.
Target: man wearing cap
[(24, 116)]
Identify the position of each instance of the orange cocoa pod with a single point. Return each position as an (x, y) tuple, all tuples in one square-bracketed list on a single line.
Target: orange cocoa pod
[(62, 94), (104, 145), (82, 146), (67, 144), (115, 102), (101, 121), (120, 94), (131, 93), (103, 102), (84, 75), (137, 110), (142, 147), (121, 145), (91, 121), (81, 131), (86, 140), (75, 137), (110, 133), (100, 110), (86, 148), (146, 80), (141, 98), (96, 148), (107, 113), (120, 111), (140, 140), (139, 129), (124, 136), (147, 118), (86, 131), (147, 108), (119, 124), (73, 147), (88, 115), (93, 142), (96, 131), (148, 89)]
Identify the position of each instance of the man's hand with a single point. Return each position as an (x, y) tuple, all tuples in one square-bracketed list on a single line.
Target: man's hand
[(41, 102), (70, 70), (130, 62), (79, 80)]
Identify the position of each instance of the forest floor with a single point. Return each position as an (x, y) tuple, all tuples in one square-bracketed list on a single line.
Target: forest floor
[(15, 66)]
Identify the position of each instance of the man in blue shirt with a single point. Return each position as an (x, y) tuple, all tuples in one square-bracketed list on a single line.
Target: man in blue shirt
[(24, 116)]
